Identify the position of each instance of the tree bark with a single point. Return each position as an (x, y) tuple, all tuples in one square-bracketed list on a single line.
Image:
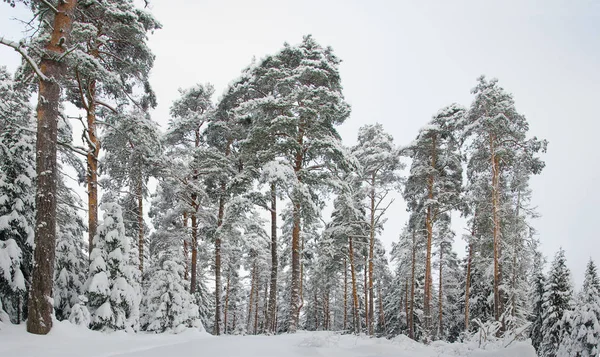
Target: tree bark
[(274, 263), (440, 295), (371, 249), (194, 243), (296, 294), (381, 314), (355, 317), (194, 222), (468, 280), (366, 283), (496, 226), (92, 165), (251, 302), (218, 267), (345, 294), (411, 327), (185, 248), (140, 198), (429, 221), (225, 310), (48, 110)]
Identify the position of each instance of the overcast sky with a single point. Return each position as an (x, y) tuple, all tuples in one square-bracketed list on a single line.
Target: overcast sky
[(402, 61)]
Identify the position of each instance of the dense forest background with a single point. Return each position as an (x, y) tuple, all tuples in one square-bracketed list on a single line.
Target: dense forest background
[(248, 214)]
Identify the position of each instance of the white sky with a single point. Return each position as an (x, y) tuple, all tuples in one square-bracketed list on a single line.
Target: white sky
[(402, 61)]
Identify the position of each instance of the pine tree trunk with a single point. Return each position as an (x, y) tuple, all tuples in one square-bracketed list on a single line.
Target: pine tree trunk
[(225, 310), (345, 294), (194, 222), (296, 273), (440, 295), (218, 267), (411, 327), (468, 280), (185, 248), (194, 245), (316, 310), (256, 300), (355, 317), (274, 263), (40, 309), (429, 221), (366, 284), (265, 307), (406, 304), (382, 323), (140, 197), (92, 165), (496, 226), (252, 292), (371, 249)]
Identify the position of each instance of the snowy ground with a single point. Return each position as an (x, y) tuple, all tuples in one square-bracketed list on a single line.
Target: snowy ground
[(67, 340)]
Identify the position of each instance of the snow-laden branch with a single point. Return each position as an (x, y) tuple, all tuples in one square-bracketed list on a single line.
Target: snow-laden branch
[(50, 6), (17, 47), (104, 104)]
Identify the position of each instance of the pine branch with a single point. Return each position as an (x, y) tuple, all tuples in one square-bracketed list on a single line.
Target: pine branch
[(17, 47), (50, 6)]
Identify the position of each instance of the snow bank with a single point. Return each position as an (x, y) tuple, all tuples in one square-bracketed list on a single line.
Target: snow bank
[(68, 340)]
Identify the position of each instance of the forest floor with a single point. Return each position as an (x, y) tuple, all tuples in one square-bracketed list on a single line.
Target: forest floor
[(67, 340)]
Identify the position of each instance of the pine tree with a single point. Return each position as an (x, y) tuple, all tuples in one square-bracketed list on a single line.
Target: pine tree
[(168, 303), (17, 198), (71, 263), (305, 95), (497, 140), (584, 338), (379, 164), (133, 153), (112, 288), (434, 184), (55, 24), (111, 62), (535, 333), (557, 300)]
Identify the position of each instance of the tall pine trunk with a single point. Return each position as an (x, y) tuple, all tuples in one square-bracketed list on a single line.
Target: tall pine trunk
[(496, 226), (468, 280), (411, 326), (92, 165), (371, 249), (345, 294), (440, 295), (218, 267), (366, 285), (40, 307), (355, 317), (429, 221), (296, 273), (272, 314), (194, 223), (140, 199), (185, 248)]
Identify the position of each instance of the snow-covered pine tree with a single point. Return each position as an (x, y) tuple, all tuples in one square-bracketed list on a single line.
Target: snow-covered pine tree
[(112, 288), (496, 137), (537, 297), (71, 265), (379, 172), (584, 337), (182, 141), (168, 304), (111, 63), (54, 27), (133, 154), (306, 96), (434, 183), (17, 198), (557, 300)]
